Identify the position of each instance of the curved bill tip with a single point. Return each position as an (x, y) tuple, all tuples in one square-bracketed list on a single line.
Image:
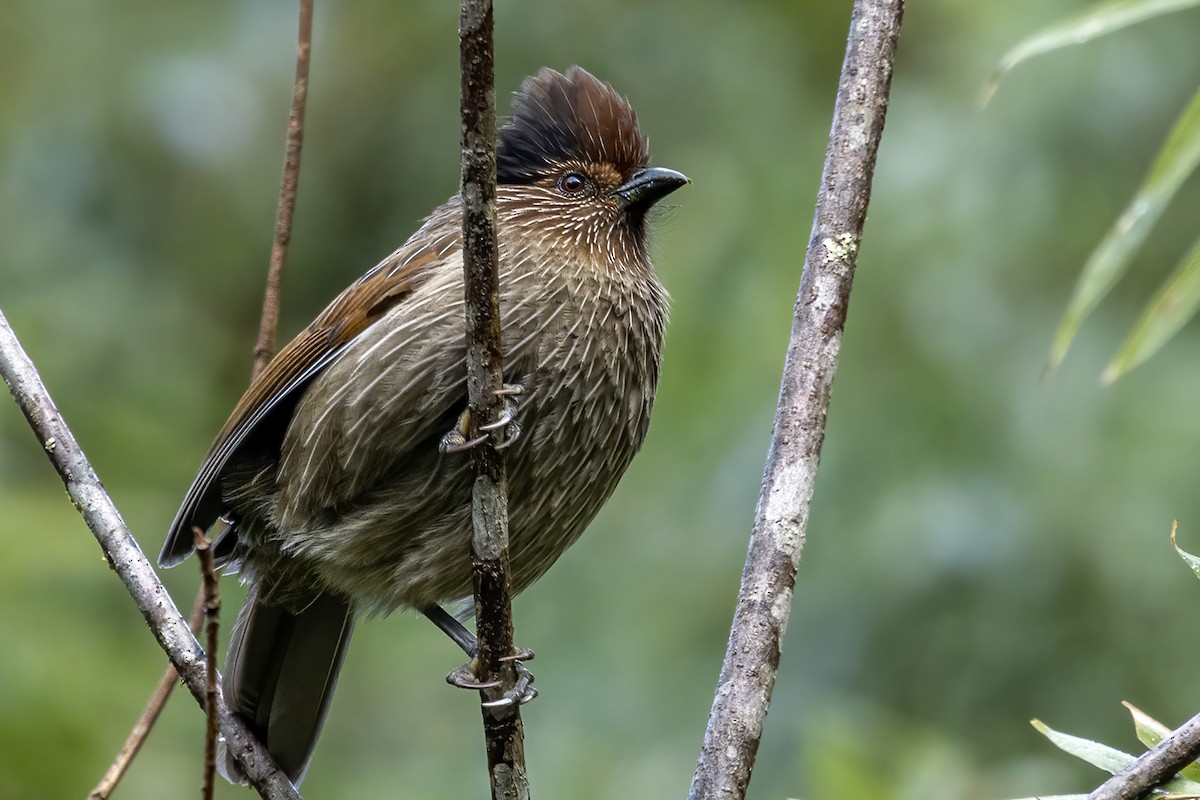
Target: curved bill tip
[(649, 185)]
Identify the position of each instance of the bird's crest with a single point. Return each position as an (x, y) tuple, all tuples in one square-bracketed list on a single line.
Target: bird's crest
[(559, 119)]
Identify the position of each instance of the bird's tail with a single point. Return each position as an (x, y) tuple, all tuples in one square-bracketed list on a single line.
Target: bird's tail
[(280, 675)]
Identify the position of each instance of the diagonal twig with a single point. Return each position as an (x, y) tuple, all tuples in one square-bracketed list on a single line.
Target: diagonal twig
[(264, 349), (764, 599), (127, 560), (503, 732)]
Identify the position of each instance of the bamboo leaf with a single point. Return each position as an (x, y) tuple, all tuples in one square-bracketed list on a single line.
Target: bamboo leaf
[(1109, 759), (1189, 559), (1176, 160), (1150, 732), (1171, 308), (1078, 29)]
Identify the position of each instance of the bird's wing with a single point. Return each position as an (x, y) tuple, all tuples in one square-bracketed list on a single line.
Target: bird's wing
[(275, 390)]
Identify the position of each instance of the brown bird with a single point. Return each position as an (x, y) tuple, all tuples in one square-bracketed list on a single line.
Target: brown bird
[(339, 479)]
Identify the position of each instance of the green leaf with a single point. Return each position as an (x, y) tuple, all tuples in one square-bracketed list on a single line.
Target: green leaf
[(1150, 731), (1173, 305), (1078, 29), (1177, 159), (1189, 559), (1109, 759)]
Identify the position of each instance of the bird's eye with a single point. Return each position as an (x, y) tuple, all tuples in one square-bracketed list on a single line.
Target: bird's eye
[(572, 183)]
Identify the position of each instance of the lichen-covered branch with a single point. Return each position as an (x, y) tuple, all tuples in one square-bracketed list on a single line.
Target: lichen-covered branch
[(126, 558), (764, 599), (503, 732)]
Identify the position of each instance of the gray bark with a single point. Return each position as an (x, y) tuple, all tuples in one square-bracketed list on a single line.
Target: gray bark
[(764, 600)]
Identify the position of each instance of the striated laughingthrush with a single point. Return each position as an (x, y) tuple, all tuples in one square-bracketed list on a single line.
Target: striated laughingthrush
[(339, 480)]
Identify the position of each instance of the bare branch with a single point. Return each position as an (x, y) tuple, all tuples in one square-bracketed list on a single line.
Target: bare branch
[(127, 560), (1154, 767), (264, 348), (212, 613), (764, 599), (503, 732)]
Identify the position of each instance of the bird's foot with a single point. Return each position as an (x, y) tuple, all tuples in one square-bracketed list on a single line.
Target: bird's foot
[(456, 441), (506, 427), (465, 677)]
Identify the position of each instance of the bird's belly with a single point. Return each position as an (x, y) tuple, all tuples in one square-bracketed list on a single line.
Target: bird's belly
[(405, 540)]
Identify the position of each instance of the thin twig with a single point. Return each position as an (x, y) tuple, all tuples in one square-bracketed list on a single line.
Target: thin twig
[(264, 348), (154, 706), (764, 599), (1154, 767), (127, 560), (503, 732), (212, 613)]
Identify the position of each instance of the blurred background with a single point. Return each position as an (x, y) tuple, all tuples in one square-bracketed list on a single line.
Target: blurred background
[(987, 544)]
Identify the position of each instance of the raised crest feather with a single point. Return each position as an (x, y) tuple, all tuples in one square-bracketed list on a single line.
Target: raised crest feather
[(568, 118)]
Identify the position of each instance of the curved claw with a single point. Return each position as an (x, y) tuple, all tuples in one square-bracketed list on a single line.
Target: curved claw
[(519, 654), (505, 418), (507, 421), (464, 678), (514, 434), (455, 442), (510, 700), (521, 693)]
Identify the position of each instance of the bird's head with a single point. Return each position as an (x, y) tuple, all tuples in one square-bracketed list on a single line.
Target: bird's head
[(572, 160)]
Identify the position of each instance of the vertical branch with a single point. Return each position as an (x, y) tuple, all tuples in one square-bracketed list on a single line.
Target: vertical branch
[(127, 560), (764, 599), (503, 731), (212, 614), (264, 348)]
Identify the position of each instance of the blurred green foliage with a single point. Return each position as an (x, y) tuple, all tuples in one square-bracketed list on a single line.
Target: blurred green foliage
[(1177, 300), (985, 545)]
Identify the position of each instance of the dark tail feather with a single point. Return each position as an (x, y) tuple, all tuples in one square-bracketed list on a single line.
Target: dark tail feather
[(280, 675)]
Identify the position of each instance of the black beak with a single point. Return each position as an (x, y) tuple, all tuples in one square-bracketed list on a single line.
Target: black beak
[(648, 186)]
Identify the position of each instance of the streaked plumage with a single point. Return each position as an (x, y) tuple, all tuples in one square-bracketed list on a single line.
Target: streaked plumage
[(329, 468)]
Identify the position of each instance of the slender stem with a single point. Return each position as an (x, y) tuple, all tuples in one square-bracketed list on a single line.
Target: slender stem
[(264, 348), (1154, 767), (764, 600), (212, 613), (145, 722), (503, 732), (127, 560)]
